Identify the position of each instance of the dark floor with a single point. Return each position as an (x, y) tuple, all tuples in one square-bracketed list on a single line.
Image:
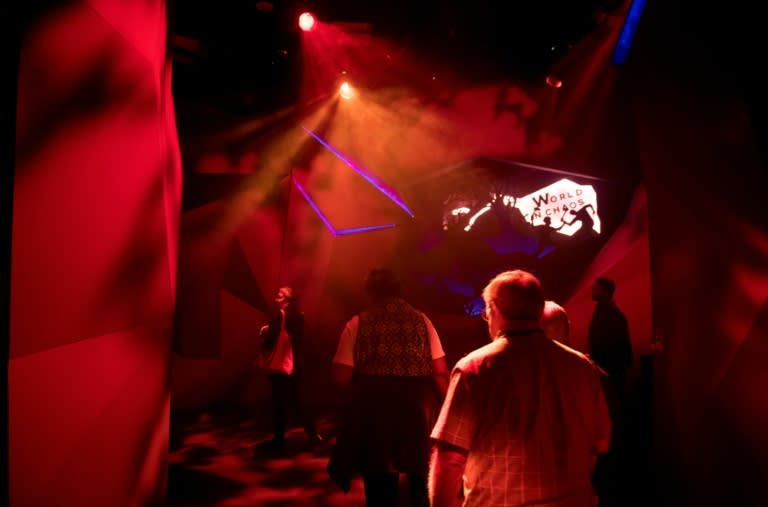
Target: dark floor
[(215, 460)]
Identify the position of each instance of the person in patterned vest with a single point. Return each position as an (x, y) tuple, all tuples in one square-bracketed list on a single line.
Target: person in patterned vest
[(391, 360)]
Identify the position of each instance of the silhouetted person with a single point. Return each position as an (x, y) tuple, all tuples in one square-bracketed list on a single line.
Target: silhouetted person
[(283, 360), (393, 362), (608, 339), (544, 235), (587, 222), (524, 417), (508, 214)]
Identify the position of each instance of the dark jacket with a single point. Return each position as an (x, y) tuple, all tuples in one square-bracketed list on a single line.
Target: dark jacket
[(609, 343)]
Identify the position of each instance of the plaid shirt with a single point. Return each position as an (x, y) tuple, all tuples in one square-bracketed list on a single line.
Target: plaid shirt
[(530, 412)]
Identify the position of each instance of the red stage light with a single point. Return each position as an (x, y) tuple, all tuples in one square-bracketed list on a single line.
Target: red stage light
[(306, 21), (554, 82)]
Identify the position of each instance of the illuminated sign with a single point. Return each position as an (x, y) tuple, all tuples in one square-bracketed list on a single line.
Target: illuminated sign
[(564, 206), (568, 205)]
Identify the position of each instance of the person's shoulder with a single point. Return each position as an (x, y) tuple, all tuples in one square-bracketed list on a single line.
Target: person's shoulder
[(421, 314), (481, 355), (408, 308), (294, 315), (403, 303), (613, 306), (576, 356), (565, 349)]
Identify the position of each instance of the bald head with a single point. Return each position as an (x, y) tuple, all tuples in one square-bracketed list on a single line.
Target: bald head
[(517, 294), (554, 321)]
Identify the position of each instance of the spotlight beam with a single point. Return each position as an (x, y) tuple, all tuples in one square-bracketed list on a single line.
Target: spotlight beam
[(385, 189)]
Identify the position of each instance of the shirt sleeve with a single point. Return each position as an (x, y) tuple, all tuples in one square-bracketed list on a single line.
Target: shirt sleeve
[(345, 352), (435, 346), (456, 424), (603, 416)]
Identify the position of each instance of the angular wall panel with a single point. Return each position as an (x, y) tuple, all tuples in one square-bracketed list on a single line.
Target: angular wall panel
[(95, 233)]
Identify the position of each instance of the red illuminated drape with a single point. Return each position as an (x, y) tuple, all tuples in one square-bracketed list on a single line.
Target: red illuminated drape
[(95, 226)]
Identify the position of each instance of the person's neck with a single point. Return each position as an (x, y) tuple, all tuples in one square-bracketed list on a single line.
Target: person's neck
[(518, 328), (384, 299)]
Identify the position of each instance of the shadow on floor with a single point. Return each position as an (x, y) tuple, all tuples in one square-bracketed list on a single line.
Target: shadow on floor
[(220, 460)]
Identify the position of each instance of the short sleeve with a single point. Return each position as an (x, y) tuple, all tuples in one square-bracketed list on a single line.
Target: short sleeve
[(435, 346), (345, 352), (456, 424), (603, 422)]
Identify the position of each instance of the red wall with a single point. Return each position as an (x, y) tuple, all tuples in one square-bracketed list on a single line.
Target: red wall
[(96, 224), (625, 260), (689, 80), (95, 227)]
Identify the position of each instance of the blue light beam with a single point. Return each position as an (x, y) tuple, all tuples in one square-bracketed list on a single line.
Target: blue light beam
[(355, 230), (314, 206), (328, 225), (621, 51), (370, 178)]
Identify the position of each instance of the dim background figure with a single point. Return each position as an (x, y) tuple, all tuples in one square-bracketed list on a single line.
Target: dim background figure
[(608, 339), (282, 358)]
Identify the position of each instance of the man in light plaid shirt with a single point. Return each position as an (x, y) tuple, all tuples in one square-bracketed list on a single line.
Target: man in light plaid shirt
[(524, 418)]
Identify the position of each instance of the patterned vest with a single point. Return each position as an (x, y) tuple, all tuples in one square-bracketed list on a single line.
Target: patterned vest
[(392, 339)]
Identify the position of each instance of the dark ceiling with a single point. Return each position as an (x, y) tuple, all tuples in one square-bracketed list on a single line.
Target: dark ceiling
[(244, 54)]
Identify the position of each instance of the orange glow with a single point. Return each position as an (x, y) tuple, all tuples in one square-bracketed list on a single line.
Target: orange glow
[(345, 90)]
